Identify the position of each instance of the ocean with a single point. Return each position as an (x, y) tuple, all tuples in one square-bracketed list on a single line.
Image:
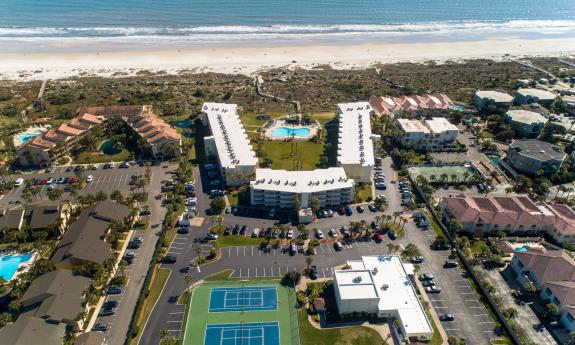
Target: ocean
[(201, 22)]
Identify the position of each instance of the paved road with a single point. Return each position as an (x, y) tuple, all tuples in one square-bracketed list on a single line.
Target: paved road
[(120, 322)]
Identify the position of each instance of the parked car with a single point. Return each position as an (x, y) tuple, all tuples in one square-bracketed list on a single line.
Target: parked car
[(170, 259), (211, 236), (114, 290), (19, 182), (337, 246), (329, 212), (432, 289), (416, 259), (60, 180), (183, 230), (243, 230), (255, 232), (133, 245), (348, 211), (372, 207), (292, 249), (319, 234), (289, 235), (446, 317), (90, 178), (428, 283), (450, 264), (332, 233), (109, 308), (392, 235), (425, 276), (129, 257), (100, 327), (377, 237), (209, 166), (360, 209), (313, 272)]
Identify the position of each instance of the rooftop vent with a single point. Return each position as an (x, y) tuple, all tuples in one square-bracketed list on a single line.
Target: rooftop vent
[(384, 287), (357, 279)]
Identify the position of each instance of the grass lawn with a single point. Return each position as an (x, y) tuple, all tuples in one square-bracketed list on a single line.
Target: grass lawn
[(364, 193), (250, 120), (97, 157), (238, 240), (434, 225), (323, 118), (195, 327), (156, 286), (478, 247), (239, 196), (436, 337), (308, 154), (223, 275), (310, 335)]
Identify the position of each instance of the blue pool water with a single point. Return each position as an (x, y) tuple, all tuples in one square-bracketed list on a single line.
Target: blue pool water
[(186, 124), (9, 264), (522, 249), (108, 148), (24, 137), (288, 132)]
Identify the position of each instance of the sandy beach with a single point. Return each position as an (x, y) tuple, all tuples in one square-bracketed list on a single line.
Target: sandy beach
[(249, 59)]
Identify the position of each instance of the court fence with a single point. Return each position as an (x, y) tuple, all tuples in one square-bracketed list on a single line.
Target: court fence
[(294, 319)]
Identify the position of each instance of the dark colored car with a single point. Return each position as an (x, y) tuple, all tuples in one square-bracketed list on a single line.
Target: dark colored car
[(450, 264), (446, 317), (133, 245), (170, 259), (392, 235), (377, 238), (114, 290), (338, 246), (360, 209), (243, 230), (236, 229), (348, 211), (372, 207), (313, 273), (100, 327)]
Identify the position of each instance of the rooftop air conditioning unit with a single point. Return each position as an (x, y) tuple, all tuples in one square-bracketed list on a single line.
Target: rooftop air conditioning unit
[(384, 287), (357, 279)]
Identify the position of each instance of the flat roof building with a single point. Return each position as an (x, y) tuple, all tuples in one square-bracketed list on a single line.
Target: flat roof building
[(495, 98), (435, 134), (229, 143), (530, 156), (279, 188), (354, 144), (530, 95), (381, 285), (527, 124)]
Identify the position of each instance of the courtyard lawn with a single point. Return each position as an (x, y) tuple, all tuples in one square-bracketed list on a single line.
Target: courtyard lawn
[(323, 118), (98, 157), (307, 157), (250, 120), (310, 335), (364, 193), (478, 247)]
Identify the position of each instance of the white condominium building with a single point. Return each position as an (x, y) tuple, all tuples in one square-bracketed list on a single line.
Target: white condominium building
[(434, 134), (229, 143), (355, 146), (415, 133), (443, 132), (281, 188)]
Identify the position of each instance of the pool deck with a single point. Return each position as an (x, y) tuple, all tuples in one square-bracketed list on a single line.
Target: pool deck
[(278, 123), (34, 129)]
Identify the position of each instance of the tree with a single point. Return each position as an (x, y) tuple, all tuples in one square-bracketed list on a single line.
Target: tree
[(411, 250), (308, 262), (291, 278), (510, 313), (116, 196), (188, 278), (315, 204), (55, 194), (551, 310), (218, 204), (390, 247), (5, 318), (454, 226), (101, 196), (529, 287)]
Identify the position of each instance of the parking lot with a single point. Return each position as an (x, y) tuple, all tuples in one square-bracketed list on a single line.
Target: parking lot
[(105, 180)]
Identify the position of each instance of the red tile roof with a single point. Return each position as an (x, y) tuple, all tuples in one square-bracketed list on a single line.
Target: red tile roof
[(387, 104)]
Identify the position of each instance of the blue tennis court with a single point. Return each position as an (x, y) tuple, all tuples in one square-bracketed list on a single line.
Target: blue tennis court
[(243, 299), (250, 333)]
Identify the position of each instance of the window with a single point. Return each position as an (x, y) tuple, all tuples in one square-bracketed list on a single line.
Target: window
[(547, 291), (555, 300), (519, 263), (570, 317)]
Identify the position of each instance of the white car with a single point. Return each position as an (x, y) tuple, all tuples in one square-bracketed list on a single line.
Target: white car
[(289, 235), (319, 234), (90, 178), (333, 233), (19, 182)]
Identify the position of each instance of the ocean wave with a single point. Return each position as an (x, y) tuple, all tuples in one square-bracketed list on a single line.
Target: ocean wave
[(537, 26)]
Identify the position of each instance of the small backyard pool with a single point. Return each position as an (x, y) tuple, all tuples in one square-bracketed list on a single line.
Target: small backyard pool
[(9, 264)]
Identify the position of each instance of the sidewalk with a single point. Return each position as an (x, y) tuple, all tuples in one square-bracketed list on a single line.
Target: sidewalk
[(432, 312)]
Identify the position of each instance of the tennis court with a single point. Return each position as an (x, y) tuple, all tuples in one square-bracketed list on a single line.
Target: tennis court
[(242, 313), (251, 333), (247, 298)]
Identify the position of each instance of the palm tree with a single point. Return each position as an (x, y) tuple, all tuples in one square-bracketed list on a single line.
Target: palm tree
[(453, 178), (377, 219), (308, 262), (390, 247), (188, 278), (443, 177), (466, 175), (433, 178)]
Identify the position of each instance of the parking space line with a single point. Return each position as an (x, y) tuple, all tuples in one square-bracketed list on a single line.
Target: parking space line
[(483, 323), (476, 307), (470, 300), (451, 329), (467, 293), (240, 272), (176, 313), (252, 251), (248, 272), (177, 248), (175, 253)]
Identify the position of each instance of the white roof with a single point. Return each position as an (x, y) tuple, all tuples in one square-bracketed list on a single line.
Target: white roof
[(440, 124), (393, 286), (526, 116), (355, 145), (412, 126), (541, 94), (301, 181), (355, 284), (232, 142), (496, 96)]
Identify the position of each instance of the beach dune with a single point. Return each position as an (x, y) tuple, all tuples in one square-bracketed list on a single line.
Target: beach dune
[(63, 63)]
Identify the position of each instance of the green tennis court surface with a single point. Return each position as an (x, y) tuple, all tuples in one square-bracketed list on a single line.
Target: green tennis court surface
[(242, 313)]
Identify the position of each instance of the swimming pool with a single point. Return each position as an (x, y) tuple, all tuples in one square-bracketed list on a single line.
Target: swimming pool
[(109, 148), (10, 263), (288, 132), (522, 249), (24, 137)]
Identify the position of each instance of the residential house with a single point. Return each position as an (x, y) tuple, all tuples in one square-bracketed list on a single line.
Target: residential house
[(552, 272), (493, 98), (431, 134), (85, 240), (530, 95), (443, 133), (57, 297), (29, 329), (526, 124), (532, 156), (437, 103)]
